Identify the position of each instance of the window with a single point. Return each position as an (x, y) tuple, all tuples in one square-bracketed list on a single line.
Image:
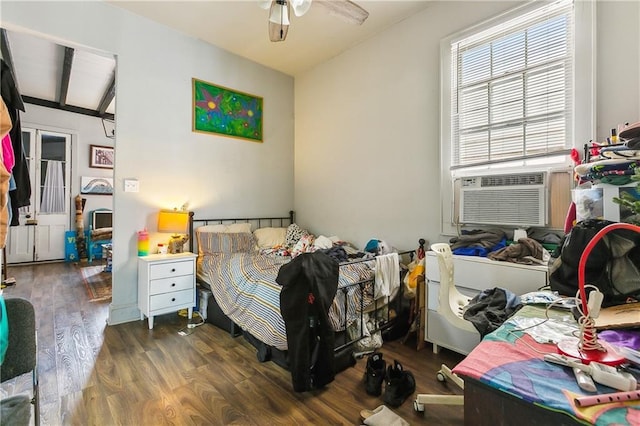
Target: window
[(517, 94), (511, 89)]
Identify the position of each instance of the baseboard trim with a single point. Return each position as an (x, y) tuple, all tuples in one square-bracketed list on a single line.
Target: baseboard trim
[(123, 313)]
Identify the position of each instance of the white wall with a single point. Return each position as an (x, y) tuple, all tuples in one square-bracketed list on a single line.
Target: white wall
[(367, 122), (618, 60), (367, 135), (84, 131), (217, 176)]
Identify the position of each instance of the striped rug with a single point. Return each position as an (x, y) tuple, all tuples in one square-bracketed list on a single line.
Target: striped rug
[(97, 282)]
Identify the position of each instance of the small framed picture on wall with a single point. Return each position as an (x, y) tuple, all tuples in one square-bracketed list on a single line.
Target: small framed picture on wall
[(101, 157)]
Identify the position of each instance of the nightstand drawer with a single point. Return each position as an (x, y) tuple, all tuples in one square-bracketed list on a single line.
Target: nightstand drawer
[(166, 285), (167, 300), (171, 269)]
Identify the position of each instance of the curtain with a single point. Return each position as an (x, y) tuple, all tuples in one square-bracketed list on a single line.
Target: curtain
[(53, 188)]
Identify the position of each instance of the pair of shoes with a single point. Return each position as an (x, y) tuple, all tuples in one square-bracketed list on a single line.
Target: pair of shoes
[(374, 374), (400, 385)]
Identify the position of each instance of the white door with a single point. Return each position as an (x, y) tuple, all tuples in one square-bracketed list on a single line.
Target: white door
[(40, 235), (21, 238)]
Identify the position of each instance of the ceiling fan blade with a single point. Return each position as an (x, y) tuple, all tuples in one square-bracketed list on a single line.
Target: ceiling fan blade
[(300, 7), (345, 10)]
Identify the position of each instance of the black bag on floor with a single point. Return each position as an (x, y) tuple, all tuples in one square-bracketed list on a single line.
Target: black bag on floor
[(613, 265)]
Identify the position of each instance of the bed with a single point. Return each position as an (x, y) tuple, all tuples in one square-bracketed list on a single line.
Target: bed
[(506, 379), (238, 261)]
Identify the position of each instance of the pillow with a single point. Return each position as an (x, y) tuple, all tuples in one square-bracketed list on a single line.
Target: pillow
[(269, 237), (233, 228), (304, 245), (294, 233), (225, 242)]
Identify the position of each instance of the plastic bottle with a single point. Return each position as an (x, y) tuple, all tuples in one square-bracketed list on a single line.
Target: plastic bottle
[(143, 242), (614, 137)]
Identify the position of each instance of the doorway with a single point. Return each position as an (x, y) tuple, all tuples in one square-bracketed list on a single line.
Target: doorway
[(40, 232), (69, 95)]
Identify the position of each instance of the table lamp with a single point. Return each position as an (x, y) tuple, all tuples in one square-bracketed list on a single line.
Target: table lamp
[(175, 222), (588, 348)]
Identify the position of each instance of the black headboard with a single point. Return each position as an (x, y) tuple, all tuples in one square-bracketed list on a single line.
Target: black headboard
[(259, 222)]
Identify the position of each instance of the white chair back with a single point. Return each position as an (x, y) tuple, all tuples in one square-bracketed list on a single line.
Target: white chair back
[(451, 302)]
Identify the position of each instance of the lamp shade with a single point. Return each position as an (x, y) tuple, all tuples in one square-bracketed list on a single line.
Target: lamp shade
[(173, 221)]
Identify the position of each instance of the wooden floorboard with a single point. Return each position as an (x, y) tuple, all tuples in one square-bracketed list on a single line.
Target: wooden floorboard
[(94, 374)]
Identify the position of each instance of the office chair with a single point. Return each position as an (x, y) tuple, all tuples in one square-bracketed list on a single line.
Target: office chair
[(21, 358), (451, 304)]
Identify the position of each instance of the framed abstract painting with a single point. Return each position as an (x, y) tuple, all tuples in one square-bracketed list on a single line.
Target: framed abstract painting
[(226, 112)]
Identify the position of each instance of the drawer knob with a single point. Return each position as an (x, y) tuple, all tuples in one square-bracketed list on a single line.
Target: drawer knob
[(173, 269), (173, 299), (173, 284)]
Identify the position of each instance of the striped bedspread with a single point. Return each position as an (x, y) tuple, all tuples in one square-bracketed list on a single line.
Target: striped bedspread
[(244, 287)]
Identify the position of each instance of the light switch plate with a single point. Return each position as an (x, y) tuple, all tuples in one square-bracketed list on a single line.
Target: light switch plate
[(131, 185)]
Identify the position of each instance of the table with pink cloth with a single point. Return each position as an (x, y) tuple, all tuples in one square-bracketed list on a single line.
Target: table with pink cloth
[(511, 361)]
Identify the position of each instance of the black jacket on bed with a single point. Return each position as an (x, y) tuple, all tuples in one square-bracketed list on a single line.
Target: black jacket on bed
[(309, 283)]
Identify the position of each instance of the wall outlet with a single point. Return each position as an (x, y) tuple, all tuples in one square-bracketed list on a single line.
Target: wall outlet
[(131, 185)]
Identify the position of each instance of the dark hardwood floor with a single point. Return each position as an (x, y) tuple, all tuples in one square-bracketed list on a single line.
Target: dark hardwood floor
[(94, 374)]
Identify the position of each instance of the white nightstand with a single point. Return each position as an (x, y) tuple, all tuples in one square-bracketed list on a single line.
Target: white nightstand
[(166, 283)]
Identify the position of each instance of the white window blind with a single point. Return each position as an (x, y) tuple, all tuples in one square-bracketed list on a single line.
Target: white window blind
[(511, 89)]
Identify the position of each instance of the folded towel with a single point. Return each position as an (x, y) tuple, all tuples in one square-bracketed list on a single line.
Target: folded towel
[(387, 274)]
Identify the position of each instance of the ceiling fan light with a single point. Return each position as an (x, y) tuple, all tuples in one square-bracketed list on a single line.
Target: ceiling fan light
[(279, 12), (278, 32), (279, 20)]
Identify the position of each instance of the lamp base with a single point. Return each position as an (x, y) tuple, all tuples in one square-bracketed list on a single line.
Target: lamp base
[(176, 244), (609, 356)]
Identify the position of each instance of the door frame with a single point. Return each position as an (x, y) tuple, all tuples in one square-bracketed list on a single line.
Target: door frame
[(27, 233)]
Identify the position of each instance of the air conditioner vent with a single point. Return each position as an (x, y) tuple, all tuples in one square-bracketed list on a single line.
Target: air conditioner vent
[(507, 200), (513, 180)]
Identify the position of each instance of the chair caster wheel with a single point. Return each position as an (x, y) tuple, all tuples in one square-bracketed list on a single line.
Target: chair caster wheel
[(418, 407), (441, 378)]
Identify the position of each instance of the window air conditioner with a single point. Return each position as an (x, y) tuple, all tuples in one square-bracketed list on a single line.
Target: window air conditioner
[(508, 199)]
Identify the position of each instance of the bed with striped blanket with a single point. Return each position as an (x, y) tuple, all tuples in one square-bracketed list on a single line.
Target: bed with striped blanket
[(244, 286), (239, 263)]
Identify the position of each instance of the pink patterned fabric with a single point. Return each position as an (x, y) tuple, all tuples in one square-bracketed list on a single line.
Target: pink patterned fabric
[(7, 153), (511, 361)]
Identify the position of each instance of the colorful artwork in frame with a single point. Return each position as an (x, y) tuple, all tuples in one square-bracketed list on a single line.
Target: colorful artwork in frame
[(226, 112)]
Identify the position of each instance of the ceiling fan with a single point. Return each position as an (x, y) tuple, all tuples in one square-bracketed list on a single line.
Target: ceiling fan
[(280, 13)]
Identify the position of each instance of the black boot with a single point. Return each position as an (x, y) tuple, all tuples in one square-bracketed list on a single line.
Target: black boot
[(400, 385), (374, 374)]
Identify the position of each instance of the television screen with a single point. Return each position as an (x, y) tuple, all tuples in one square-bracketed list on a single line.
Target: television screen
[(102, 219)]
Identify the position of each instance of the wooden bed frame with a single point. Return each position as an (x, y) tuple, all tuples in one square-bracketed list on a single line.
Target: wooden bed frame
[(343, 352)]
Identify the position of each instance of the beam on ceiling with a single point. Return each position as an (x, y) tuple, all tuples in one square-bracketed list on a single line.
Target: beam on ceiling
[(68, 108), (6, 55), (66, 75), (108, 96)]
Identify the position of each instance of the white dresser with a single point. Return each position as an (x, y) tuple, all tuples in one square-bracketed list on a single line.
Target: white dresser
[(166, 283), (472, 274)]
